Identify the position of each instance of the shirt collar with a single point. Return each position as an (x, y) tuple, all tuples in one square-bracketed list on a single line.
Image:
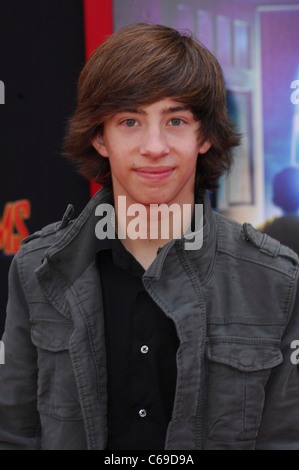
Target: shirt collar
[(121, 257)]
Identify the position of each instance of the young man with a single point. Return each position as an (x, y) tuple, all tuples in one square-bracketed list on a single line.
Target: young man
[(142, 343)]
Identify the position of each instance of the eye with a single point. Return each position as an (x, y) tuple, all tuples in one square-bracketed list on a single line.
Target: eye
[(175, 122), (130, 122)]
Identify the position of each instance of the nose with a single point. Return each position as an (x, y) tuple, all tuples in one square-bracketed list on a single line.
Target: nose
[(154, 142)]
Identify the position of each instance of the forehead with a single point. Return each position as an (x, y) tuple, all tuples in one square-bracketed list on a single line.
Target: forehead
[(164, 106)]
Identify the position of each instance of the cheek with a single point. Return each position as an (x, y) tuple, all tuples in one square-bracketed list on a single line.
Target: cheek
[(112, 151), (192, 156), (191, 164), (117, 164)]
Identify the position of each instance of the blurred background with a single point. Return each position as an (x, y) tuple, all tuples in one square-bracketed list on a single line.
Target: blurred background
[(44, 45)]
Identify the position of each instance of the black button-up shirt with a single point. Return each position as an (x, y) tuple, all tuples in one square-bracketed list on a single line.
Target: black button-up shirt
[(141, 345)]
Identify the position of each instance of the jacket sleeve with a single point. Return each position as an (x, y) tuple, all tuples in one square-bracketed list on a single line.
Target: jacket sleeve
[(19, 418), (279, 429)]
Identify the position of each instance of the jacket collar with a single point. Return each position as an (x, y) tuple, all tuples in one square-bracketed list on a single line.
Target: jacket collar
[(202, 258)]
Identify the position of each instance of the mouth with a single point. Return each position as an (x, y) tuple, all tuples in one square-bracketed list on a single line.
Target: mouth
[(154, 173)]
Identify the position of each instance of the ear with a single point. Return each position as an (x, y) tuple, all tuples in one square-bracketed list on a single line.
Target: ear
[(99, 145), (204, 147)]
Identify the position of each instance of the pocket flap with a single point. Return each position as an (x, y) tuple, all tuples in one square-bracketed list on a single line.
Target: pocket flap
[(51, 336), (244, 353)]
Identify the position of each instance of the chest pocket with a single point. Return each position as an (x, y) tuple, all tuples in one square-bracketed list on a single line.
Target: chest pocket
[(238, 370), (57, 389)]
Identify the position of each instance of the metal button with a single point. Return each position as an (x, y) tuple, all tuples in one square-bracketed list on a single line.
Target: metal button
[(144, 349), (142, 413)]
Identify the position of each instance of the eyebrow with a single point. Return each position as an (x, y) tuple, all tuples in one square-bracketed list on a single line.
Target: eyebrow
[(171, 109), (175, 109)]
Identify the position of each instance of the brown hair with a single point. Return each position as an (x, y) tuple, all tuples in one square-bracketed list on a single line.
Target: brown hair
[(137, 66)]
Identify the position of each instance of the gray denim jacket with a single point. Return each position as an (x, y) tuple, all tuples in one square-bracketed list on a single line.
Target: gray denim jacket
[(234, 306)]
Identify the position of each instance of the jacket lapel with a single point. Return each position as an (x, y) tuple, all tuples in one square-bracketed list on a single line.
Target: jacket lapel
[(70, 281)]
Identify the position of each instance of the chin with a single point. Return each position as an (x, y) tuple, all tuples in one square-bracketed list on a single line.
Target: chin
[(157, 196), (153, 200)]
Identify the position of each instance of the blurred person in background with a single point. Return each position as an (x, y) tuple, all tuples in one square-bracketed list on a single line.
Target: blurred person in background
[(285, 228)]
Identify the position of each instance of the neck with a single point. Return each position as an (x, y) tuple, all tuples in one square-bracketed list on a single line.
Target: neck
[(143, 229)]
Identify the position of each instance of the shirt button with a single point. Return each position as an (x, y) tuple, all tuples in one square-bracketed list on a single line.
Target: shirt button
[(142, 413), (144, 349)]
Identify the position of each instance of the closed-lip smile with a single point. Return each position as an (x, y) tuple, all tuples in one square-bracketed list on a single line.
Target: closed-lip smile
[(154, 172)]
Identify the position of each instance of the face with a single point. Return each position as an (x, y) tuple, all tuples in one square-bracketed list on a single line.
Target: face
[(153, 152)]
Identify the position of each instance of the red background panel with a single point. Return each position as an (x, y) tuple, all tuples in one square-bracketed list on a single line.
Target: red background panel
[(98, 25)]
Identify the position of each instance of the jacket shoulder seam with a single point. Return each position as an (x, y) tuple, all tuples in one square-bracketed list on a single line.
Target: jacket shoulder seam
[(254, 261)]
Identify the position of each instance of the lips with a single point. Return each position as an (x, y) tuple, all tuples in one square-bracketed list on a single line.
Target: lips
[(154, 173)]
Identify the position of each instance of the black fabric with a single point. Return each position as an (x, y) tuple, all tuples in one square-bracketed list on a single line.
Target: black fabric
[(286, 230), (136, 380), (41, 55)]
